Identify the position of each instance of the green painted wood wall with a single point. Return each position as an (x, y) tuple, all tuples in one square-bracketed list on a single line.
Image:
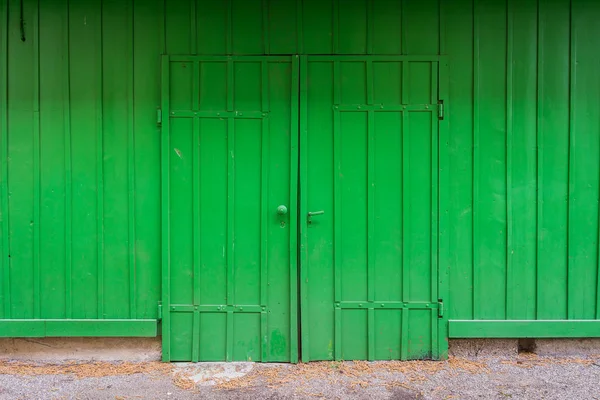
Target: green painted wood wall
[(80, 160)]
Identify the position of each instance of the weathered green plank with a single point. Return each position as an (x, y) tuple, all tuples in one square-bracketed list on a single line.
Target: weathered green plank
[(459, 40), (584, 158), (55, 223), (165, 209), (490, 243), (20, 178), (78, 328), (146, 96), (117, 130), (85, 93), (420, 27), (524, 329), (521, 278), (553, 158), (5, 262)]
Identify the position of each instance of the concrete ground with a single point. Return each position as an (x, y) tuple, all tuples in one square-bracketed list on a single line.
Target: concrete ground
[(522, 376)]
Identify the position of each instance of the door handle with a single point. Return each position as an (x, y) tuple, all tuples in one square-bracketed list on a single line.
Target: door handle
[(312, 214)]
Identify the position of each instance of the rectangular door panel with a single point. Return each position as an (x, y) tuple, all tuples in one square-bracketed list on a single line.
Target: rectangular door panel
[(229, 157), (369, 175)]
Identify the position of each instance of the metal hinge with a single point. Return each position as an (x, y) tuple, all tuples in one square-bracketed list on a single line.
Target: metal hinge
[(441, 110), (440, 308), (158, 116), (159, 311)]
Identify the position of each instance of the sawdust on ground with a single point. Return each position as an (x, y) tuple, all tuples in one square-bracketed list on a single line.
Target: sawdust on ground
[(355, 374)]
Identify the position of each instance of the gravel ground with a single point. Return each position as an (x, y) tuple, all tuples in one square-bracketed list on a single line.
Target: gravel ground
[(525, 377)]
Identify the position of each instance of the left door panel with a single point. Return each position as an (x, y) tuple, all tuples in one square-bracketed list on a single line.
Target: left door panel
[(229, 161)]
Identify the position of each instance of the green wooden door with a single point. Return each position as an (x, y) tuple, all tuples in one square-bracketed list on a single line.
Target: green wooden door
[(229, 143), (369, 208)]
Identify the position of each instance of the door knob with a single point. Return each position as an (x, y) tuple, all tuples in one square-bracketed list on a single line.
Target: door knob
[(282, 210)]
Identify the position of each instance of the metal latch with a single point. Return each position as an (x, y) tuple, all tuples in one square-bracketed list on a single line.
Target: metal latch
[(159, 311), (158, 116), (441, 110), (440, 308)]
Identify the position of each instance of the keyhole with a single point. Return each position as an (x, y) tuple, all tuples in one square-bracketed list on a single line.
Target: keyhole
[(283, 224)]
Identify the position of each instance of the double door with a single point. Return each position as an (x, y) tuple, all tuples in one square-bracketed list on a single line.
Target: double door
[(300, 208)]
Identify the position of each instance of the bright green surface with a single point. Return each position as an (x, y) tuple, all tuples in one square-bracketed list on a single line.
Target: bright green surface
[(524, 329), (229, 143), (78, 327), (369, 161), (80, 165)]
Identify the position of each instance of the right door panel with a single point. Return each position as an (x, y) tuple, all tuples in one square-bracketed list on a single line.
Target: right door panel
[(369, 201)]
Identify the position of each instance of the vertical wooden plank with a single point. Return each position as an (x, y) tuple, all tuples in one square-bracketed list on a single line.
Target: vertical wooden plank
[(573, 245), (295, 128), (351, 26), (196, 206), (458, 17), (370, 222), (115, 157), (492, 160), (230, 206), (166, 256), (370, 25), (5, 306), (371, 184), (434, 228), (178, 26), (211, 27), (22, 127), (193, 26), (300, 26), (100, 169), (68, 173), (264, 209), (337, 209), (229, 26), (584, 160), (146, 97), (247, 27), (402, 29), (476, 160), (420, 24), (131, 161), (523, 152), (36, 160), (266, 28), (444, 261), (319, 26), (196, 219), (510, 304), (553, 103), (405, 224), (404, 335), (282, 25), (85, 100), (336, 27), (443, 33), (54, 191), (385, 27), (303, 181)]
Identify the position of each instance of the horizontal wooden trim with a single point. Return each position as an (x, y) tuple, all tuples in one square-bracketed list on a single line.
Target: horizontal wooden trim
[(204, 58), (506, 329), (78, 328), (377, 58)]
